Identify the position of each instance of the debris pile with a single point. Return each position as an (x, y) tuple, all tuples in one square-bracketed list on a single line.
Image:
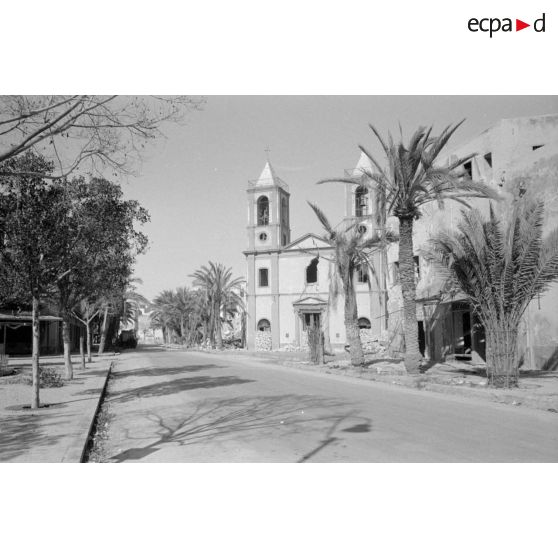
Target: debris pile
[(263, 341)]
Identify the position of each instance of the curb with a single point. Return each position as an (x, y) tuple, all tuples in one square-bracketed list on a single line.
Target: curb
[(419, 383), (90, 431), (77, 451)]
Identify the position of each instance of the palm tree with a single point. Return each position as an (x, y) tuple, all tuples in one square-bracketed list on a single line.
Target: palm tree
[(220, 290), (501, 267), (411, 180), (166, 314), (351, 251)]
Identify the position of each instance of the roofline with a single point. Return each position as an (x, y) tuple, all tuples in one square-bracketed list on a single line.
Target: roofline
[(282, 250), (308, 235)]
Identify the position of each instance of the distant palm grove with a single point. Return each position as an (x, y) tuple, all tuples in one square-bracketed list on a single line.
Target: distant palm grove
[(209, 313)]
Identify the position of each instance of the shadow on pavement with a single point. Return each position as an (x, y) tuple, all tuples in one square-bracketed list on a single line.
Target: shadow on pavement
[(21, 433), (164, 371), (175, 386), (245, 417)]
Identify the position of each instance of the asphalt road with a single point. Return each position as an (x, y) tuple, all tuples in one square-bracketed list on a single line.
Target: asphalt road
[(195, 407)]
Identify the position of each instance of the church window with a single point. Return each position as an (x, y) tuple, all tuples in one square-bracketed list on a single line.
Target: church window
[(263, 211), (284, 239), (362, 229), (264, 325), (364, 323), (361, 201), (362, 273), (312, 272), (263, 237), (263, 277), (284, 212)]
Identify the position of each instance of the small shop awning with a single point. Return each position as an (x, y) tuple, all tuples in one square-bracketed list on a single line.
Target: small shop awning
[(24, 319)]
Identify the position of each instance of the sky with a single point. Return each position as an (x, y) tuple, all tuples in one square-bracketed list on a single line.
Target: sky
[(194, 182)]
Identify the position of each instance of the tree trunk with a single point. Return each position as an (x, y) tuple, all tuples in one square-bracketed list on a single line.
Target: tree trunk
[(327, 341), (82, 348), (218, 332), (243, 329), (408, 290), (104, 331), (315, 344), (502, 358), (35, 370), (88, 336), (69, 370), (352, 332)]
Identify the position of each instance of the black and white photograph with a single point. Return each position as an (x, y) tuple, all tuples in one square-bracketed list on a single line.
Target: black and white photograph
[(278, 279), (271, 297)]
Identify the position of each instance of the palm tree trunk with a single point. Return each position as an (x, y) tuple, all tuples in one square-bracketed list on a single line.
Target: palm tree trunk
[(104, 331), (69, 370), (502, 358), (35, 371), (218, 332), (243, 329), (327, 341), (408, 290), (352, 332)]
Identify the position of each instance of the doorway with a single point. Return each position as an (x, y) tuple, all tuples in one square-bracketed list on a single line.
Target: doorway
[(310, 319)]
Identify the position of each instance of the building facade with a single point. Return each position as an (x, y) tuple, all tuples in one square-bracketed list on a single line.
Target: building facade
[(515, 156), (288, 281)]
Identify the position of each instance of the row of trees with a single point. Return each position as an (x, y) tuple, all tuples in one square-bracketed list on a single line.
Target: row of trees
[(500, 266), (71, 241), (197, 315), (67, 243)]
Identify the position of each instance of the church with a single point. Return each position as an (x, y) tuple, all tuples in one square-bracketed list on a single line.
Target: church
[(288, 281)]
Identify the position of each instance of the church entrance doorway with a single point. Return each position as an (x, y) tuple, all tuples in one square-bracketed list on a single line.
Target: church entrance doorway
[(310, 319)]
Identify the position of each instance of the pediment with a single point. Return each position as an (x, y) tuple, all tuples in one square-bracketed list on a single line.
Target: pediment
[(308, 242), (310, 301)]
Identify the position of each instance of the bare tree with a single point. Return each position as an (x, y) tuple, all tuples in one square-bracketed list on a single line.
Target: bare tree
[(87, 132)]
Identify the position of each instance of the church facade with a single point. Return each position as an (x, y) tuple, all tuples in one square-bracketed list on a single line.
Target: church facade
[(288, 281)]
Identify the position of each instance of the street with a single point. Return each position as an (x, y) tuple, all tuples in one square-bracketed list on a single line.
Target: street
[(175, 406)]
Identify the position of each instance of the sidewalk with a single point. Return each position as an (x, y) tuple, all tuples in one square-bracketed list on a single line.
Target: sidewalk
[(537, 390), (58, 432)]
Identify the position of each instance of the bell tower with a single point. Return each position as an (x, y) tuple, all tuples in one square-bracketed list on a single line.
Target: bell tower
[(268, 232), (268, 212), (360, 200)]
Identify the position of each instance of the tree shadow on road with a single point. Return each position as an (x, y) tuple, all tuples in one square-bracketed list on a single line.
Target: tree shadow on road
[(164, 370), (246, 417), (175, 386)]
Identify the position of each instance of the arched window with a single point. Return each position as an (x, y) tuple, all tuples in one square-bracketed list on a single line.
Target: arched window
[(361, 201), (312, 272), (364, 323), (263, 211), (264, 325)]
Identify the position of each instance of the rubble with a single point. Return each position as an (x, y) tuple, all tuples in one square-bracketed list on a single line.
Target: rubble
[(263, 341)]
